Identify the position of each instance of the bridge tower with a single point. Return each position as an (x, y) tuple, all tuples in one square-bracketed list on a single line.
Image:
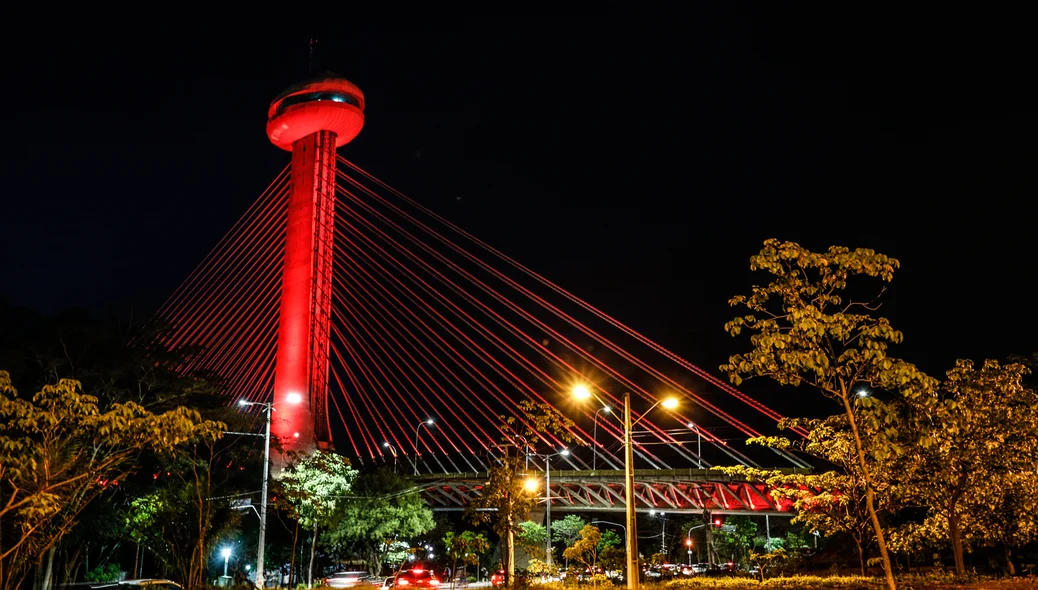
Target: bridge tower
[(311, 119)]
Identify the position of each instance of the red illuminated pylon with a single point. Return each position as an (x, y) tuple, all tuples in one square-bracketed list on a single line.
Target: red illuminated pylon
[(310, 120)]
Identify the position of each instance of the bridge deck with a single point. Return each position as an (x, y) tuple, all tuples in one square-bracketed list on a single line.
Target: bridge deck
[(668, 490)]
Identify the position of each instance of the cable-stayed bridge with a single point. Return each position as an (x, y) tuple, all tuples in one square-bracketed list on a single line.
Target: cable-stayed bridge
[(381, 329)]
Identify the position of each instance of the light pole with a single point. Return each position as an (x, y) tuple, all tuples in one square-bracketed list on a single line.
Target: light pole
[(699, 445), (689, 541), (594, 437), (268, 409), (663, 537), (547, 500), (582, 392), (392, 450), (427, 422), (226, 552)]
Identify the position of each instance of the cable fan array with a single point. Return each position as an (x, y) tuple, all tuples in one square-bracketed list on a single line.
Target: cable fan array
[(429, 321)]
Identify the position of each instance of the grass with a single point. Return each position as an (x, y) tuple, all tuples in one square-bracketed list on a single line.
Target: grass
[(805, 582)]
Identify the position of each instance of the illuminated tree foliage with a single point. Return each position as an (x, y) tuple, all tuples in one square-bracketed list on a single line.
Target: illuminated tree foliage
[(510, 502), (465, 548), (585, 549), (532, 537), (833, 501), (505, 492), (382, 508), (59, 451), (973, 468), (314, 485), (806, 331)]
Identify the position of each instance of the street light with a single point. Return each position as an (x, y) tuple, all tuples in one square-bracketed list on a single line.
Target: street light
[(582, 392), (392, 449), (594, 438), (663, 537), (699, 445), (547, 498), (226, 552), (268, 407), (428, 422), (689, 540)]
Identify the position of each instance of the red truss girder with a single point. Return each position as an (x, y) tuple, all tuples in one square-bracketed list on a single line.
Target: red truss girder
[(603, 495)]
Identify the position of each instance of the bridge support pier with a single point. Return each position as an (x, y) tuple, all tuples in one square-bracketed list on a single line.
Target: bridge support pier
[(301, 370)]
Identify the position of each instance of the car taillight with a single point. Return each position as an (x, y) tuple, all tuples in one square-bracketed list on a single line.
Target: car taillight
[(402, 582)]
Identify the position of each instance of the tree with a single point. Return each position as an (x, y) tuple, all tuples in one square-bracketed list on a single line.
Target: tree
[(382, 507), (566, 531), (466, 548), (59, 451), (609, 539), (314, 485), (505, 492), (585, 550), (976, 439), (532, 537), (736, 543), (832, 501), (805, 332)]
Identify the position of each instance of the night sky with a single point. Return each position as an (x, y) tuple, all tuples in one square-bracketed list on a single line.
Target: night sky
[(636, 161)]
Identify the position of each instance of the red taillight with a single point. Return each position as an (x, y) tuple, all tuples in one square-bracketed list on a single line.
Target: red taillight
[(418, 570), (402, 582)]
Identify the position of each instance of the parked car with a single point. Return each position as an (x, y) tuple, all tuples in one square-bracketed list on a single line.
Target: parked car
[(499, 579), (346, 579)]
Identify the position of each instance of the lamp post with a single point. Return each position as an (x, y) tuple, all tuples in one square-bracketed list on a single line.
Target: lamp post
[(392, 450), (582, 392), (688, 542), (427, 422), (268, 409), (699, 445), (594, 438), (226, 552), (663, 537), (547, 500)]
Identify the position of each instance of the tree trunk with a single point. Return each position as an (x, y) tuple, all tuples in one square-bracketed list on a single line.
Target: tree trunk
[(48, 572), (861, 556), (1009, 560), (313, 552), (870, 493), (510, 551), (956, 542), (292, 562)]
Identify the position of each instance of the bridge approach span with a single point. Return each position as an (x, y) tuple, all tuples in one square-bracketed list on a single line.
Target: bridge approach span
[(666, 490)]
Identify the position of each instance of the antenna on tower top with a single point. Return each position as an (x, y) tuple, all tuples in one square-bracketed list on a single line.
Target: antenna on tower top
[(310, 61)]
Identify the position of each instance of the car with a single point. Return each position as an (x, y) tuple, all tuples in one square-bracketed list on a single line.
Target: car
[(499, 579), (416, 578), (346, 579), (143, 584)]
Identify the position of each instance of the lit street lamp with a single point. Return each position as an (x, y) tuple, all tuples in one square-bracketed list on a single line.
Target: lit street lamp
[(392, 449), (226, 552), (699, 445), (582, 392), (547, 497), (594, 438), (688, 540), (268, 407), (417, 429)]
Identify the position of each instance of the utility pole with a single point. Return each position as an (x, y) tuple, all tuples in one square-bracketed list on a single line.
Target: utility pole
[(632, 522), (260, 580)]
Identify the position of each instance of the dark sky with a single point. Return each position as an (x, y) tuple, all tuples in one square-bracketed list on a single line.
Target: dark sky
[(637, 161)]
